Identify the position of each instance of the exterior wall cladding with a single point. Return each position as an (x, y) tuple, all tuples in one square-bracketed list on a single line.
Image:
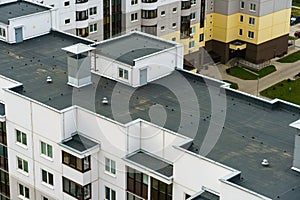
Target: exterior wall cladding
[(214, 24)]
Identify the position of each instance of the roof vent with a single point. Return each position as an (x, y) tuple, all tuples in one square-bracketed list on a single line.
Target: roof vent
[(265, 163), (49, 79), (104, 100)]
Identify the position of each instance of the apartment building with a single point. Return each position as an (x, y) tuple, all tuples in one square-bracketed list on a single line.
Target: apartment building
[(75, 123)]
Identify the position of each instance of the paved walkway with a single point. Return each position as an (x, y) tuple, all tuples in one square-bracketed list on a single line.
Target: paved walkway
[(284, 71)]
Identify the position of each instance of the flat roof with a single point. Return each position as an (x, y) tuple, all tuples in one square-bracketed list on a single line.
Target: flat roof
[(253, 129), (152, 162), (17, 9), (131, 46), (79, 143), (205, 195)]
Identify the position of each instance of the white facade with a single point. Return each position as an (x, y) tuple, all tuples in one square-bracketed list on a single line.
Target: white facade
[(116, 141)]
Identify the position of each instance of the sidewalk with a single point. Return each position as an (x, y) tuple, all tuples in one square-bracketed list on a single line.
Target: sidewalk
[(284, 71)]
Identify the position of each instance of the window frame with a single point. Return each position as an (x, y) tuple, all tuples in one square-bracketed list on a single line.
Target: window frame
[(110, 194), (47, 178), (93, 11), (109, 167), (134, 2), (251, 21), (252, 7), (242, 4), (21, 138), (123, 73), (78, 189), (134, 17), (251, 34), (191, 44), (68, 158), (46, 154), (193, 16), (23, 191), (22, 164), (93, 28)]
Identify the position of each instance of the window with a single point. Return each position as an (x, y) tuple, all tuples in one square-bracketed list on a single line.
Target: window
[(163, 13), (110, 194), (76, 190), (192, 31), (93, 11), (251, 20), (81, 15), (67, 3), (110, 166), (193, 16), (252, 7), (137, 183), (21, 137), (241, 32), (67, 21), (46, 149), (149, 14), (193, 2), (22, 164), (123, 73), (81, 1), (174, 25), (134, 2), (93, 28), (160, 190), (185, 5), (162, 28), (82, 32), (44, 198), (23, 191), (201, 37), (242, 4), (174, 9), (250, 34), (191, 44), (173, 38), (81, 165), (134, 17), (47, 177), (241, 18)]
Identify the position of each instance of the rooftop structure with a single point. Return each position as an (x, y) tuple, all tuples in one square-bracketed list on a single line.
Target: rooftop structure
[(19, 9), (254, 129)]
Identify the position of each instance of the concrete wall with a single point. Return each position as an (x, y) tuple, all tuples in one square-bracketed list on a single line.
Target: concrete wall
[(33, 25)]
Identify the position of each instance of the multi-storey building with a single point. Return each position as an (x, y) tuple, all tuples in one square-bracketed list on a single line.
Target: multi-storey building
[(254, 30), (74, 122)]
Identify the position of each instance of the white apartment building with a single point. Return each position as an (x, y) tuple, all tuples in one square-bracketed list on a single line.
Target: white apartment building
[(176, 136)]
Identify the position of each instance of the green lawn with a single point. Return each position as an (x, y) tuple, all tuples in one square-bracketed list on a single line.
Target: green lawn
[(287, 90), (290, 58), (232, 84), (296, 12), (246, 74)]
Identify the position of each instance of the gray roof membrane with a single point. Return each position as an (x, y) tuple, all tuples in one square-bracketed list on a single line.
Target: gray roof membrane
[(152, 162), (17, 9), (252, 130)]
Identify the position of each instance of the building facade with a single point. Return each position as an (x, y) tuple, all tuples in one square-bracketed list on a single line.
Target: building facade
[(253, 30), (59, 139)]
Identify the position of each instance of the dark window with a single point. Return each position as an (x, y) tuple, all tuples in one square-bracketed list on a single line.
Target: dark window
[(149, 14), (4, 183), (81, 1), (137, 183), (150, 29), (67, 3), (81, 165), (202, 13), (149, 1), (67, 21), (3, 136), (241, 18), (76, 190), (185, 5), (81, 15), (201, 37), (185, 27), (160, 190), (82, 32), (106, 19)]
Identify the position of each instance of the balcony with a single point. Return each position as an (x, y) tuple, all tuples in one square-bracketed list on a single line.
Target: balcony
[(149, 4)]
